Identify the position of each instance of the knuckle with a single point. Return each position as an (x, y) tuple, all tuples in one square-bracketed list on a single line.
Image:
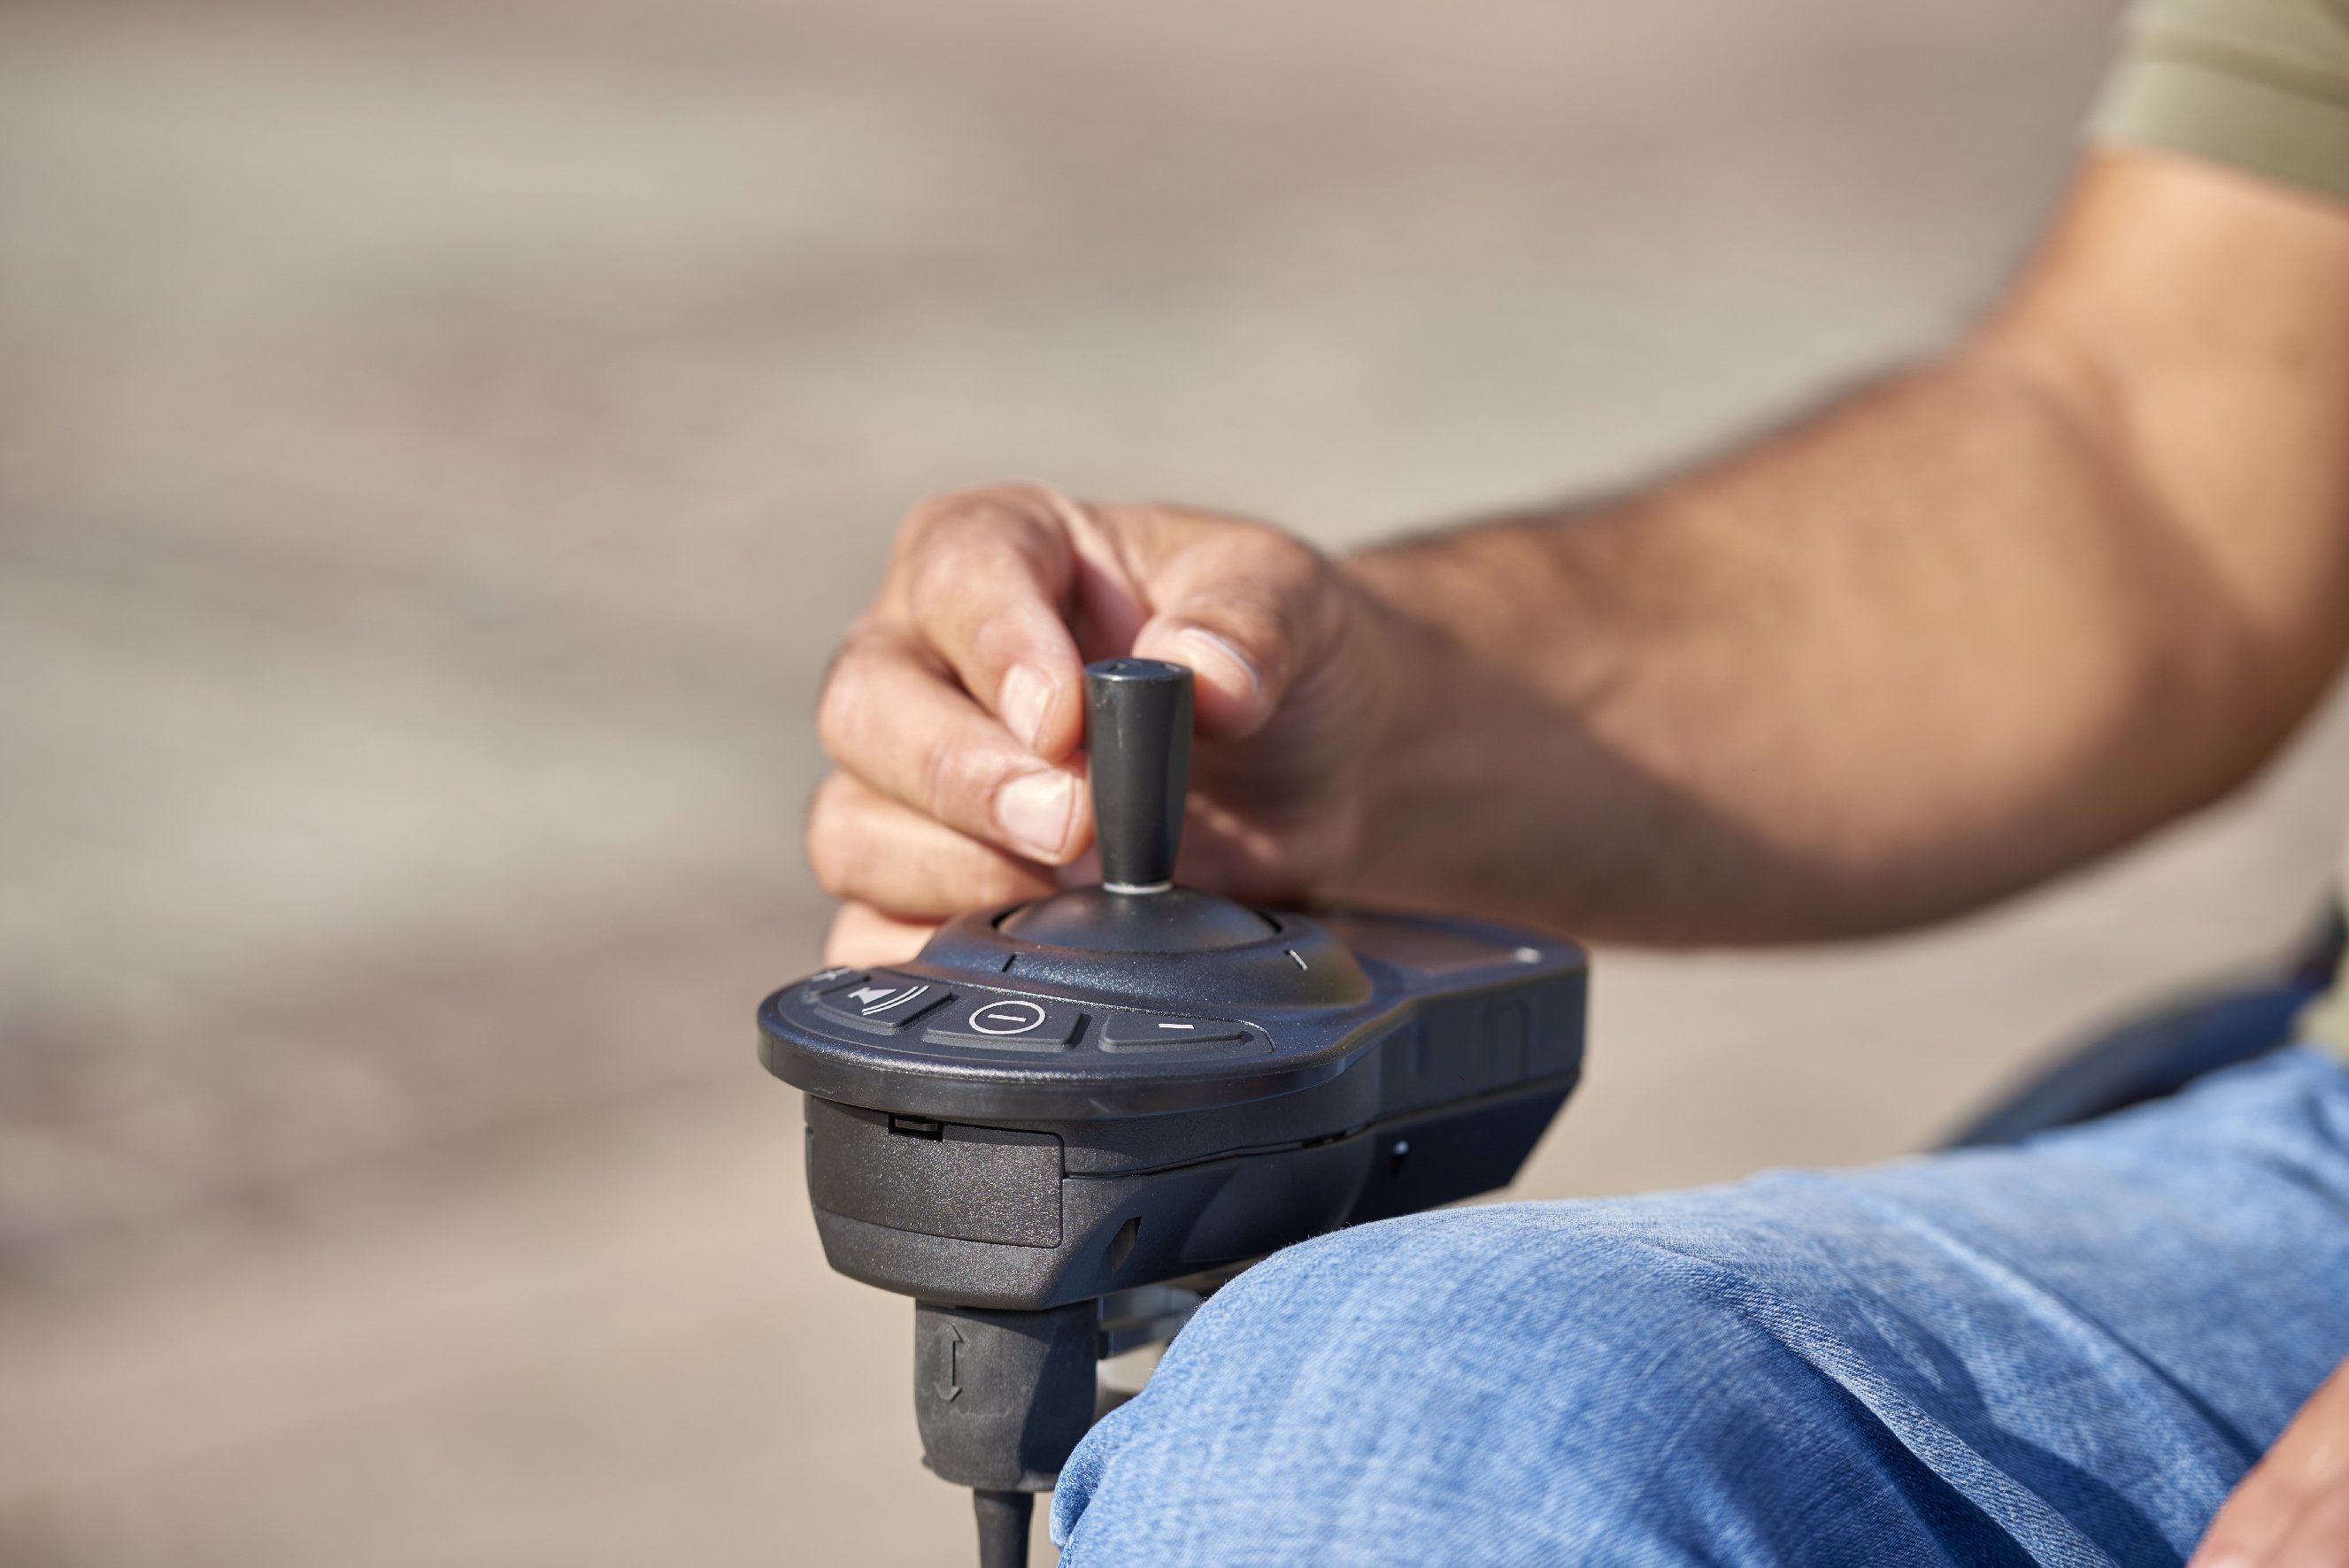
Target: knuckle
[(835, 709), (931, 511), (943, 516), (830, 831), (996, 644), (1257, 566), (956, 781), (935, 573), (831, 873), (1289, 563), (1297, 596), (846, 695)]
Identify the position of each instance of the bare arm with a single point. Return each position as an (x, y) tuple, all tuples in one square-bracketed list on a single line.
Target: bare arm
[(1975, 624)]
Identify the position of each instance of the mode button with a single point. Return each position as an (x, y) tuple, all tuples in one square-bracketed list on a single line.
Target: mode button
[(1018, 1023)]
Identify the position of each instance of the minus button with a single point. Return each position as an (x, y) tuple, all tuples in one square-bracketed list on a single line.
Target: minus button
[(1152, 1031)]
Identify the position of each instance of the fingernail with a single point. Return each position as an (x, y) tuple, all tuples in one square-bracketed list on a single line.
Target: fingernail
[(1027, 693), (1215, 645), (1033, 811)]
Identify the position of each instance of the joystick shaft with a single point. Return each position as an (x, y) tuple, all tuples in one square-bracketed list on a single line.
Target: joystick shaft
[(1138, 729)]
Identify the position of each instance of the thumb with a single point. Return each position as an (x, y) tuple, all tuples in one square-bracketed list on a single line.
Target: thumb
[(1248, 609)]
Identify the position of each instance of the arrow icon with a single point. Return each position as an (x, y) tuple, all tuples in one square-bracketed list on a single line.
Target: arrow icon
[(881, 999), (947, 1387)]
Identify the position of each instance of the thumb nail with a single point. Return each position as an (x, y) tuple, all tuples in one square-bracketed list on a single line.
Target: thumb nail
[(1204, 646)]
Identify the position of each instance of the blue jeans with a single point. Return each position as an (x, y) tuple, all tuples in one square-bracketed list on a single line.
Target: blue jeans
[(2065, 1353)]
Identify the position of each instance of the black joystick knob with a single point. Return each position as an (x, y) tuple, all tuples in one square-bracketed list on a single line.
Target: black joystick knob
[(1138, 727)]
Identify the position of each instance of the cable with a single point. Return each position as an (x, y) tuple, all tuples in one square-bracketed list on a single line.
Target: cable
[(1002, 1527)]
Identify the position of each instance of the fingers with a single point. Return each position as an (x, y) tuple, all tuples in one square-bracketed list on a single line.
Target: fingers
[(2320, 1539), (1249, 609), (2256, 1516), (862, 938), (990, 581), (870, 850), (960, 699), (2303, 1477), (985, 579), (895, 721)]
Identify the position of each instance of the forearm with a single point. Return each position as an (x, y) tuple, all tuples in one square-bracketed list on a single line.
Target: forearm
[(1896, 660), (1933, 645), (1971, 626)]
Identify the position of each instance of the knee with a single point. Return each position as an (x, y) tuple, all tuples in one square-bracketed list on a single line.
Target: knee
[(1467, 1299), (1540, 1357)]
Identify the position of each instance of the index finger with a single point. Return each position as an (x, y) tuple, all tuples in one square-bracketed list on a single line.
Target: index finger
[(890, 716), (986, 580)]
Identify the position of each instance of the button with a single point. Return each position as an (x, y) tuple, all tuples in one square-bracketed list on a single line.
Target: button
[(883, 1003), (1154, 1032), (1016, 1022), (831, 979)]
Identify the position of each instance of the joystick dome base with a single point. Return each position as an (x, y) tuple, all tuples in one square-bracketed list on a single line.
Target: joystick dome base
[(1179, 920)]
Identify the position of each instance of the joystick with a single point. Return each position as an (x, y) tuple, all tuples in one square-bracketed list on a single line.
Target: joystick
[(1066, 1122)]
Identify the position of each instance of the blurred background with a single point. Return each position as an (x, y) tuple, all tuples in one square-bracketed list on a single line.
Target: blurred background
[(439, 444)]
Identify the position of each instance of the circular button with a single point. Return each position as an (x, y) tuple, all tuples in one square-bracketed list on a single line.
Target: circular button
[(1013, 1017)]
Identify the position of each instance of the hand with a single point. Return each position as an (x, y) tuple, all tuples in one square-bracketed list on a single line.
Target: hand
[(2293, 1510), (955, 709)]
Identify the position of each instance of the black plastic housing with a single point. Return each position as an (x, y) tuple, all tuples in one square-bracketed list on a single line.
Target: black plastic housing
[(1413, 1063), (1001, 1397)]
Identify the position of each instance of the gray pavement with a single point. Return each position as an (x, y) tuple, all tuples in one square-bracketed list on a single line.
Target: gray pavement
[(439, 445)]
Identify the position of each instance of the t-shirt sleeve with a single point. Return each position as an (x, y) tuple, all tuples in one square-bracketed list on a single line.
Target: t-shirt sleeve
[(2262, 84)]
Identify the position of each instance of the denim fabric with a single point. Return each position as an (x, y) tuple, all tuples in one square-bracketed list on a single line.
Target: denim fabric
[(2065, 1353)]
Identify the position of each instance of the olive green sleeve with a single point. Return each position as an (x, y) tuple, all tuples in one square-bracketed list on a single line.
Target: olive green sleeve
[(2262, 84)]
